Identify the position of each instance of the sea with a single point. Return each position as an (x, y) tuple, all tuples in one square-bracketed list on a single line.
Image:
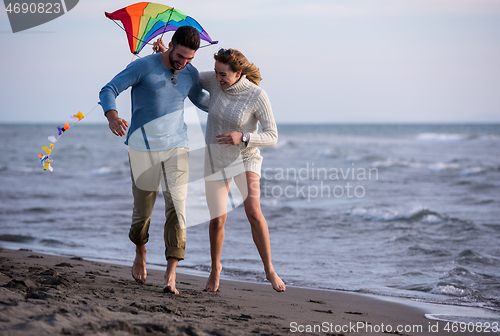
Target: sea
[(393, 210)]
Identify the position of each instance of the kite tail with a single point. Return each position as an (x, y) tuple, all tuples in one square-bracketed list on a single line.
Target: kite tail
[(46, 159)]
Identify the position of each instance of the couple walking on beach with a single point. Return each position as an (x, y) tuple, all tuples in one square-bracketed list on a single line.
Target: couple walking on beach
[(158, 146)]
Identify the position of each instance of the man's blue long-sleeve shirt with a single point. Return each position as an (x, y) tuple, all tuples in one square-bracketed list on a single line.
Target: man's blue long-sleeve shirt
[(157, 105)]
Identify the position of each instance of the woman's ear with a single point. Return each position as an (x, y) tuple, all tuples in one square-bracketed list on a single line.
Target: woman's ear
[(238, 74)]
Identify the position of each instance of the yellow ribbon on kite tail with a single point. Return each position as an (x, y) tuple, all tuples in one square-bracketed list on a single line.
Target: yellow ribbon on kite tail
[(45, 159)]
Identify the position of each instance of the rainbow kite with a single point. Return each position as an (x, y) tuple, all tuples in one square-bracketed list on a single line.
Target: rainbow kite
[(144, 21)]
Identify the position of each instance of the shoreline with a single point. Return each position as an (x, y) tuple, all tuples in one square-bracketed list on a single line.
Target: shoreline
[(47, 294)]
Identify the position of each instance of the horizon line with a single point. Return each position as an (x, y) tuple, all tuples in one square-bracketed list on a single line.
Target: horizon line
[(33, 123)]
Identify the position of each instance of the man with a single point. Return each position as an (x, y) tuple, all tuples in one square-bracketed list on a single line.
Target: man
[(157, 142)]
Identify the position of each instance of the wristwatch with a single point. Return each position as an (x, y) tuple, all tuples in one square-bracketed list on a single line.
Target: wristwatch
[(245, 138)]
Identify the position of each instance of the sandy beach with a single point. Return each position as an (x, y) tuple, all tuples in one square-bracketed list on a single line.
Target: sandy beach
[(53, 295)]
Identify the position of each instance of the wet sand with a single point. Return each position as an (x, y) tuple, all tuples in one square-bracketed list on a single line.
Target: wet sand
[(53, 295)]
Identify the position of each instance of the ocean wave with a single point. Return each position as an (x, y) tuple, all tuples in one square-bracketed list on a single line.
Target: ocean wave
[(433, 167), (29, 211), (457, 137), (432, 219), (450, 289), (14, 238), (37, 210), (471, 171), (419, 250), (353, 158), (461, 272), (330, 153), (107, 171), (468, 257), (387, 215), (57, 243), (21, 169), (389, 162), (441, 137), (440, 166), (490, 138), (283, 144)]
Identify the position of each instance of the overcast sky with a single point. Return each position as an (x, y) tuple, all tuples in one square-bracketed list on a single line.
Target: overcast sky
[(321, 61)]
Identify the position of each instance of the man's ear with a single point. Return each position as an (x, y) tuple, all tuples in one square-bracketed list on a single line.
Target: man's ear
[(170, 45)]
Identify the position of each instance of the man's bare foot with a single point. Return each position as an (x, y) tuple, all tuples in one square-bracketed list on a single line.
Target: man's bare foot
[(276, 282), (170, 290), (139, 267), (169, 278), (213, 280)]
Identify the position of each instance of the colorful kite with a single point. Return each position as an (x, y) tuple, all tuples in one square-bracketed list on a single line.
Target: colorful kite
[(144, 21), (45, 159)]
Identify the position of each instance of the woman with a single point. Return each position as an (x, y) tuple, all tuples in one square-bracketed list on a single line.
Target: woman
[(237, 105)]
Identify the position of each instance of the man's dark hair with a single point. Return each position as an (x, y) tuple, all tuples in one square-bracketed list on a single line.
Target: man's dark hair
[(186, 36)]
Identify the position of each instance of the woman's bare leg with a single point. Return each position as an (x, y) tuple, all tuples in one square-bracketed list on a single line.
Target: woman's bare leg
[(217, 202), (217, 233), (260, 230)]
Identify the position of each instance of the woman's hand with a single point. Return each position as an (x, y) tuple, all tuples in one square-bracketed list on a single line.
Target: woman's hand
[(231, 138), (159, 46)]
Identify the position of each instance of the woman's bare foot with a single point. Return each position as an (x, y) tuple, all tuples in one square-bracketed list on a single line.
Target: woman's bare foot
[(213, 280), (169, 278), (276, 282), (139, 267)]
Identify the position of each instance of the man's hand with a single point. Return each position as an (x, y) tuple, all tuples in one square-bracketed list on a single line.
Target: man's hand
[(159, 46), (231, 138), (117, 125)]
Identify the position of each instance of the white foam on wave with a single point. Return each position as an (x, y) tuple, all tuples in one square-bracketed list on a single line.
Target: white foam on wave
[(441, 137), (395, 162), (387, 215), (327, 153), (468, 323), (432, 219), (440, 166), (24, 169), (106, 171), (353, 158), (448, 290), (471, 171), (433, 167)]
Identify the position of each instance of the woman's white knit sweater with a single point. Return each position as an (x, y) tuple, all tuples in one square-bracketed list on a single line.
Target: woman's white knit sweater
[(238, 108)]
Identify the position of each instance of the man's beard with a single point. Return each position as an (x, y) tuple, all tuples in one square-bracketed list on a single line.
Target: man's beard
[(172, 61)]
